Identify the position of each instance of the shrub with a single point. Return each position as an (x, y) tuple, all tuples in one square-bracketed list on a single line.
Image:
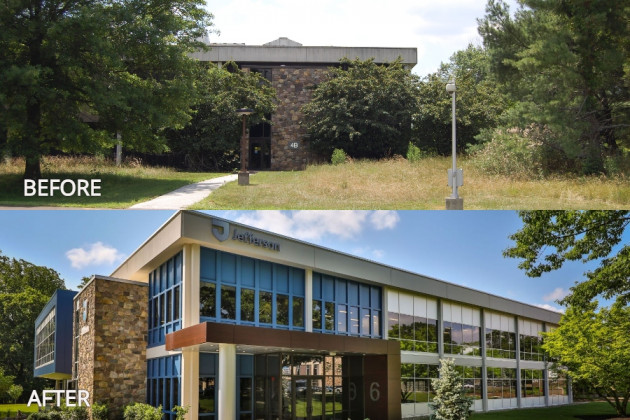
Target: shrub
[(508, 153), (180, 412), (338, 157), (413, 153), (140, 411), (449, 402), (74, 413), (100, 411)]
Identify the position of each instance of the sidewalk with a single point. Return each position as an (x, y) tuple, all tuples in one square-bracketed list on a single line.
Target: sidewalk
[(185, 196)]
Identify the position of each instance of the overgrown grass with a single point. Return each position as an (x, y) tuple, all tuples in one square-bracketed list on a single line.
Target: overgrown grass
[(587, 411), (387, 184), (121, 187), (399, 184)]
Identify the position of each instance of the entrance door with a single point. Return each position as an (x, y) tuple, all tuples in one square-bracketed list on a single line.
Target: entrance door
[(308, 398)]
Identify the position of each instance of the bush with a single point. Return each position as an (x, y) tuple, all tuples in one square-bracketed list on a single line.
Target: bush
[(413, 153), (140, 411), (449, 402), (338, 157), (508, 153), (100, 411)]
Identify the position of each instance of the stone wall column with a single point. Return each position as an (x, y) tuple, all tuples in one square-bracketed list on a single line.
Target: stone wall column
[(227, 381)]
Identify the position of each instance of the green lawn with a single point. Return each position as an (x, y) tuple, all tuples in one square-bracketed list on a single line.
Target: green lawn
[(121, 187), (587, 411), (7, 410)]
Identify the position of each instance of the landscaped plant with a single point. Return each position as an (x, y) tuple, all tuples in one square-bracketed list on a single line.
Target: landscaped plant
[(15, 391), (100, 411), (180, 412), (140, 411), (449, 402)]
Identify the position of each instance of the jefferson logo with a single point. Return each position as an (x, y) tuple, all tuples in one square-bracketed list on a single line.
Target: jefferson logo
[(221, 231)]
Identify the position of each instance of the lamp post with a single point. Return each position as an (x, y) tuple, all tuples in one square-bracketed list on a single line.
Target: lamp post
[(243, 175), (455, 176)]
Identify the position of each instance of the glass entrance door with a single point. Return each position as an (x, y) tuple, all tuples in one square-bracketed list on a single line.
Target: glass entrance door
[(308, 401)]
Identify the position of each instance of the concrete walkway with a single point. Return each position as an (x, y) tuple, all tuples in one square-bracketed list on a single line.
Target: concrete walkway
[(185, 196)]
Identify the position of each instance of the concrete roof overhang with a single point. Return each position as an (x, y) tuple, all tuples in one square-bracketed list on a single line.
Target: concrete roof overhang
[(289, 55)]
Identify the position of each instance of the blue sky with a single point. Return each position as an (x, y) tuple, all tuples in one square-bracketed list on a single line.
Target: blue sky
[(460, 247), (436, 28)]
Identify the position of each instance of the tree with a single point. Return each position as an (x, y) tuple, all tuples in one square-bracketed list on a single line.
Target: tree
[(6, 382), (549, 238), (593, 347), (25, 289), (364, 109), (211, 139), (564, 63), (449, 402), (15, 391), (76, 72), (479, 102)]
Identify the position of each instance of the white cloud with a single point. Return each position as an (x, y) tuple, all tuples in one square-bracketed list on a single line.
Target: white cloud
[(558, 293), (550, 307), (94, 254), (378, 253), (314, 224), (384, 219)]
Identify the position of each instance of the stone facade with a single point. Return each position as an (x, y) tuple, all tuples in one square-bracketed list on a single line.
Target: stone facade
[(112, 342), (294, 88)]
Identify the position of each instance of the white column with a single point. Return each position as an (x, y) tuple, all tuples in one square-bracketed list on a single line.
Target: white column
[(190, 286), (190, 383), (227, 382), (308, 300)]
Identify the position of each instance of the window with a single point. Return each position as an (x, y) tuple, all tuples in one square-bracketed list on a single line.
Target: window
[(350, 308), (165, 300), (530, 340), (163, 382), (247, 305), (557, 383), (412, 321), (228, 302), (415, 385), (500, 336), (472, 381), (45, 340), (461, 329), (501, 383), (532, 383), (250, 291)]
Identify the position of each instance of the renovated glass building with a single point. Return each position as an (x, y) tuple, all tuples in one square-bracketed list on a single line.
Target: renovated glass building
[(238, 323)]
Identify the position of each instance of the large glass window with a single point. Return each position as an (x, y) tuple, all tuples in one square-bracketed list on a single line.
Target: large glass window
[(412, 321), (415, 382), (461, 330), (45, 340), (557, 383), (250, 291), (163, 383), (501, 383), (500, 336), (532, 383), (165, 300), (349, 307), (472, 381)]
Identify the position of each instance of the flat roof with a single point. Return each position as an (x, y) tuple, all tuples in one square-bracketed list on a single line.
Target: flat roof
[(186, 227), (287, 52)]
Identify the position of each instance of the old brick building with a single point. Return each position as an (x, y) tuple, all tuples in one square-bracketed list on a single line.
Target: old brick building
[(293, 70)]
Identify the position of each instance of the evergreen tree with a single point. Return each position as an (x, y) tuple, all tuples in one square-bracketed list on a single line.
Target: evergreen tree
[(565, 64), (450, 402)]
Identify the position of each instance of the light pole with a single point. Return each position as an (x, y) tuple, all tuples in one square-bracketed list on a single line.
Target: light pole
[(455, 176), (243, 175)]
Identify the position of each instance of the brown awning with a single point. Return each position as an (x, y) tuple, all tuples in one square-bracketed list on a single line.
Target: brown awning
[(212, 332)]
